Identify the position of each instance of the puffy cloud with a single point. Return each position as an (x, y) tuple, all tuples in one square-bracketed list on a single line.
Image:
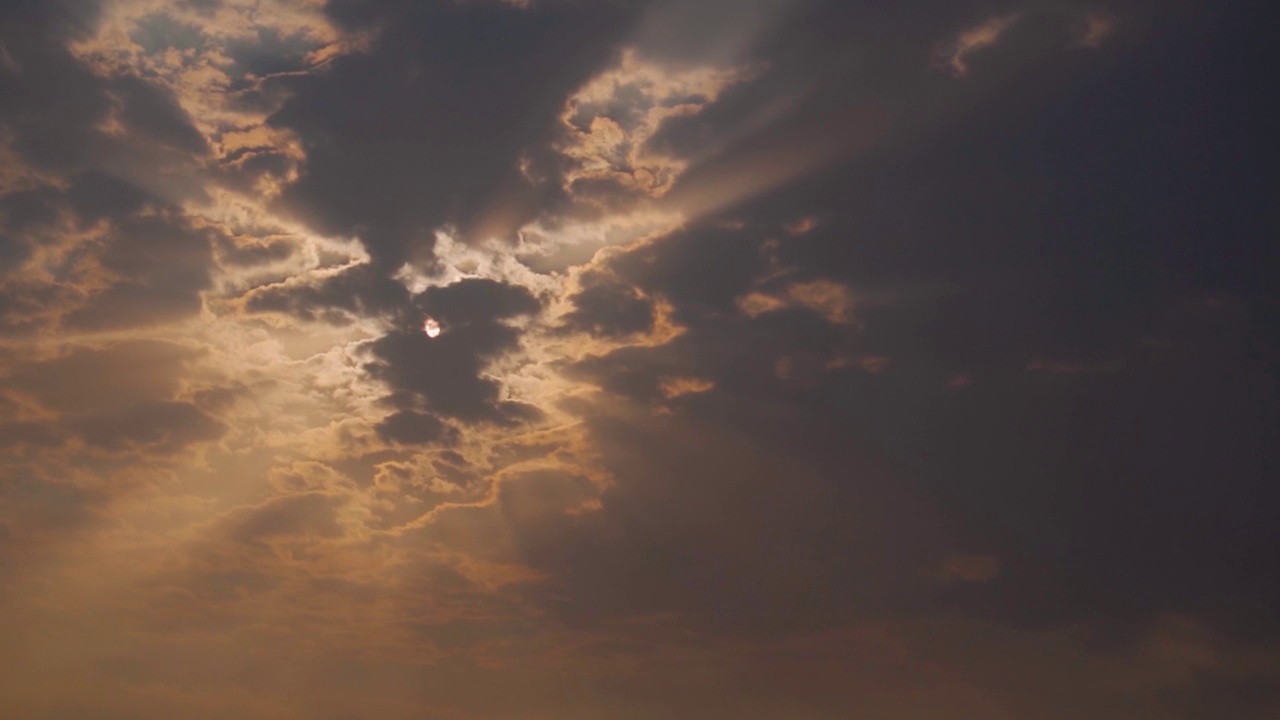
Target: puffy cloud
[(1061, 25), (610, 121)]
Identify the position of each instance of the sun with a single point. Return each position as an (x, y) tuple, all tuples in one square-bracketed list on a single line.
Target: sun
[(431, 327)]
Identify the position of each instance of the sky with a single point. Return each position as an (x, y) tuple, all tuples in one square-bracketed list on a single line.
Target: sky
[(638, 359)]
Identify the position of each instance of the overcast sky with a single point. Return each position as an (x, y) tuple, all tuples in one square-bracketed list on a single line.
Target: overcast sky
[(638, 360)]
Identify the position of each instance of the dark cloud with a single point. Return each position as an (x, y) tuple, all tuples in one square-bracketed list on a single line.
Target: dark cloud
[(1109, 496), (12, 254), (414, 428), (157, 32), (1130, 467), (29, 434), (51, 109), (702, 272), (158, 261), (358, 290), (954, 390), (165, 427), (37, 509), (476, 301), (59, 115), (446, 373), (245, 169), (95, 195), (163, 265), (161, 428), (54, 20), (153, 112), (287, 516), (607, 307), (117, 398), (103, 378), (748, 518), (462, 90)]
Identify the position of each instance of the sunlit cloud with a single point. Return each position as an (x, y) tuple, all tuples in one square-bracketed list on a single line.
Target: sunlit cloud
[(834, 302), (955, 55), (360, 358)]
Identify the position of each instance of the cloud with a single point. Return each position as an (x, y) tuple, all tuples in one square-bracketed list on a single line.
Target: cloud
[(970, 568), (607, 306), (832, 301), (147, 111), (748, 565), (1038, 29), (955, 55), (357, 290), (762, 380), (476, 301), (446, 373), (305, 514), (155, 427), (610, 121), (442, 151), (118, 397), (414, 428), (104, 254), (1071, 368), (674, 387), (102, 377)]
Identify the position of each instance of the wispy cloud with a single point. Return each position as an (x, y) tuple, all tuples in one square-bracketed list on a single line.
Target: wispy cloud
[(954, 56), (1097, 27)]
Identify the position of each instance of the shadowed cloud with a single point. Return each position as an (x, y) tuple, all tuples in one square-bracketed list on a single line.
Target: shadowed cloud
[(753, 359)]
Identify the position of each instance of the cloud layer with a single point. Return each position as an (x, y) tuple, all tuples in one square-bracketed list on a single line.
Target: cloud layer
[(752, 359)]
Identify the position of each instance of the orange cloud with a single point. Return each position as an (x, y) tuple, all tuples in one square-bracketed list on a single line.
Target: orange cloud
[(609, 122), (833, 301), (954, 56), (1097, 27)]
